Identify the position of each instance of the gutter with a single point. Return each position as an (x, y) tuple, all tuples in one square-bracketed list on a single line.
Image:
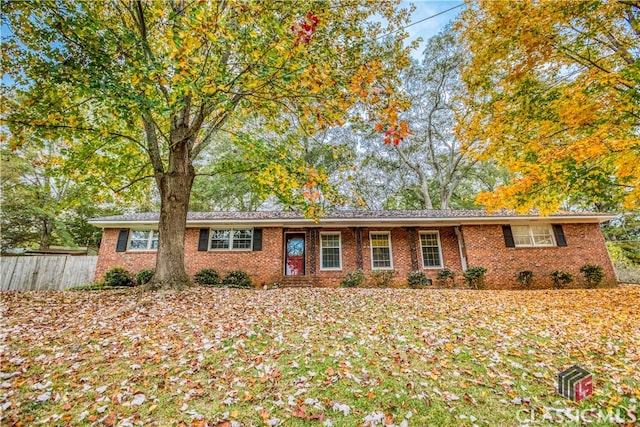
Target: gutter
[(360, 222)]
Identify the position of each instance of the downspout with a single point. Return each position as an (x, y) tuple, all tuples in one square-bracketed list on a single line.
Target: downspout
[(463, 258)]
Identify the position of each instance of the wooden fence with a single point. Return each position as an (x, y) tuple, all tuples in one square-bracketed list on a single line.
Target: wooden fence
[(37, 273)]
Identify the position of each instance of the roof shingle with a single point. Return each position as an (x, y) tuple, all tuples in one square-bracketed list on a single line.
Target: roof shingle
[(429, 214)]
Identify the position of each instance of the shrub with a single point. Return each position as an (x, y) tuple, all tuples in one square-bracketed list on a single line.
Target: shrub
[(353, 279), (381, 278), (117, 276), (237, 279), (207, 277), (144, 276), (446, 277), (594, 274), (417, 279), (474, 277), (561, 278), (525, 277)]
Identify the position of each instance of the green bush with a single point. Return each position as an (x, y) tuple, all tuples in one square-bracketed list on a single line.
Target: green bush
[(446, 277), (144, 276), (525, 277), (207, 277), (353, 279), (474, 277), (417, 279), (237, 279), (594, 274), (117, 276), (561, 278), (381, 278)]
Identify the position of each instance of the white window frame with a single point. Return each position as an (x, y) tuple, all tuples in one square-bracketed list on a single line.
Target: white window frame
[(331, 233), (150, 233), (230, 247), (532, 239), (437, 233), (388, 233)]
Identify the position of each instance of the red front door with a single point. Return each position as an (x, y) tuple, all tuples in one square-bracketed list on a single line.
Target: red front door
[(294, 255)]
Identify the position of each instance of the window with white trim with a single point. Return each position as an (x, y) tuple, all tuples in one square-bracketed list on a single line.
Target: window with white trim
[(533, 235), (230, 239), (431, 249), (330, 251), (143, 240), (380, 250)]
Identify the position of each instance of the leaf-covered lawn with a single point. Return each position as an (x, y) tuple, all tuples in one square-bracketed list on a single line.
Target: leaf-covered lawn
[(294, 357)]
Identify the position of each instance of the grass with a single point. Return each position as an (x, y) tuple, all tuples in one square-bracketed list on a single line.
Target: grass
[(305, 357)]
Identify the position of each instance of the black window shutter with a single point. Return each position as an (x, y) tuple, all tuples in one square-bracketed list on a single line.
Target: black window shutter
[(203, 241), (508, 236), (123, 237), (559, 232), (257, 239)]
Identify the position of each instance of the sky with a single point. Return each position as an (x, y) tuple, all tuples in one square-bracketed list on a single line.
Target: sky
[(430, 27)]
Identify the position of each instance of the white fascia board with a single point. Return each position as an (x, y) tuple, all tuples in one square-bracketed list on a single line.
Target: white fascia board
[(400, 222), (124, 224), (369, 222)]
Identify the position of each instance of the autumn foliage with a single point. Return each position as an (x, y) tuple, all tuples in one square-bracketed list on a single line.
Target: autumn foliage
[(139, 89), (554, 93), (343, 357)]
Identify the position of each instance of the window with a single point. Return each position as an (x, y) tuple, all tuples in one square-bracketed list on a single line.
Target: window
[(380, 250), (532, 235), (231, 239), (431, 251), (143, 240), (330, 257)]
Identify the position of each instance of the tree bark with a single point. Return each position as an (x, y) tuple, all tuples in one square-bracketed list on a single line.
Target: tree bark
[(424, 189), (424, 181), (175, 190), (45, 233)]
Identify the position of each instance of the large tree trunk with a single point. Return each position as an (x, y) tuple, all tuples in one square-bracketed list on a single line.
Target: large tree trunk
[(175, 190)]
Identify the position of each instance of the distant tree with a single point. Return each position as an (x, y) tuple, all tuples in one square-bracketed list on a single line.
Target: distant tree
[(429, 168), (250, 164), (432, 151), (42, 205), (623, 232)]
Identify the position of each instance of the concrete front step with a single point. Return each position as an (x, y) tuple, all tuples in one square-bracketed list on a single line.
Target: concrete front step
[(298, 281)]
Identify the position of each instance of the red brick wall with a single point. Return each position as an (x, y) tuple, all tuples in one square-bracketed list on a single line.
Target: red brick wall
[(109, 258), (400, 251), (485, 247), (264, 266)]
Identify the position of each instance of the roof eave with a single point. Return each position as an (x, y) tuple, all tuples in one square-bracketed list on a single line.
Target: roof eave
[(366, 222)]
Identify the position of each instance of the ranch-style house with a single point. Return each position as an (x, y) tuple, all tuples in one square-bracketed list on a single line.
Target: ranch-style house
[(288, 249)]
